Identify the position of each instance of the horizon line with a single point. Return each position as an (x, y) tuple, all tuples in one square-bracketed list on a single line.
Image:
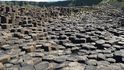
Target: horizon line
[(34, 0)]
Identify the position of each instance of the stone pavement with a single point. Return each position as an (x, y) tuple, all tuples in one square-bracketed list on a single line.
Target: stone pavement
[(61, 38)]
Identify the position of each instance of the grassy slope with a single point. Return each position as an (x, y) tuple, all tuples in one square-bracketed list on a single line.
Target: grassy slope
[(61, 3), (116, 3)]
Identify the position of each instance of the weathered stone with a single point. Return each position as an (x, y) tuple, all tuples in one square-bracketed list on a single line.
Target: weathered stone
[(82, 59), (14, 61), (68, 51), (117, 46), (18, 35), (48, 58), (38, 46), (109, 55), (84, 52), (78, 40), (4, 58), (109, 67), (62, 37), (27, 67), (33, 36), (120, 43), (111, 60), (6, 47), (81, 36), (99, 42), (74, 66), (101, 56), (90, 67), (93, 56), (60, 59), (122, 21), (2, 66), (112, 41), (8, 65), (119, 53), (106, 45), (42, 66), (69, 45), (75, 49), (91, 62), (88, 47), (92, 39), (49, 46), (103, 67), (72, 58), (36, 60), (36, 54), (30, 47), (103, 63), (3, 19), (107, 51)]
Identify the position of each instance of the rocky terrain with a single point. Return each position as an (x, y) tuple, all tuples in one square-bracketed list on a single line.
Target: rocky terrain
[(61, 38)]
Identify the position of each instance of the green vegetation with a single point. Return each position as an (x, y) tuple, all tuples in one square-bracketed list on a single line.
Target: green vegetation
[(117, 3), (60, 3)]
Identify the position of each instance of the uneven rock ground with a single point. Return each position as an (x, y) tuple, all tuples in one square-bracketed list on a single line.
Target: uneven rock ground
[(61, 38)]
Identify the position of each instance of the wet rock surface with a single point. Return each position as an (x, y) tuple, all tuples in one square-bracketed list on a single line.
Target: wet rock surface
[(60, 38)]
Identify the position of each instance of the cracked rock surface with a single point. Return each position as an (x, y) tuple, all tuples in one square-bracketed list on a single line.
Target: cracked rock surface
[(61, 38)]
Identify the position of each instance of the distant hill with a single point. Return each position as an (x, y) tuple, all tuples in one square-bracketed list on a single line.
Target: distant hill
[(115, 3), (60, 3)]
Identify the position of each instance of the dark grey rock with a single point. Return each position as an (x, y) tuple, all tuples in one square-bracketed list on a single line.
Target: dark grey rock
[(99, 42), (68, 51), (48, 58), (88, 46), (106, 45), (121, 43), (27, 67), (69, 45), (103, 63), (78, 40), (84, 52), (112, 41), (91, 62), (90, 67), (42, 66), (117, 46), (118, 53), (72, 58), (107, 51), (111, 60), (92, 39), (60, 59), (62, 37), (75, 49), (93, 56), (109, 55), (82, 59), (101, 56), (81, 36)]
